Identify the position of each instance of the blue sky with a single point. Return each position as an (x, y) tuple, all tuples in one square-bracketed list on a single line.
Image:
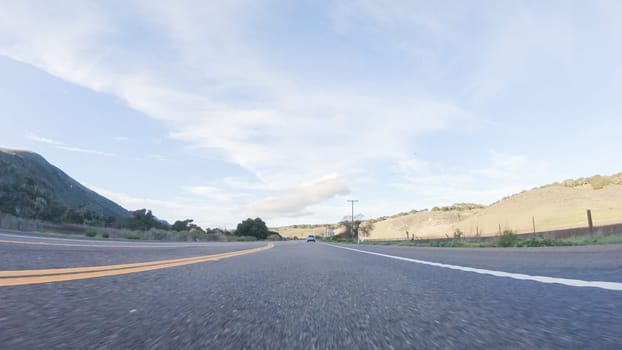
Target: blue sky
[(219, 111)]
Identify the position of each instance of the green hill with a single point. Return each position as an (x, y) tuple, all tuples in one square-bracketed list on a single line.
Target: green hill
[(30, 187)]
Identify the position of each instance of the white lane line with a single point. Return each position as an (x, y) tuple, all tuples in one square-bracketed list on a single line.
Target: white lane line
[(519, 276), (26, 239)]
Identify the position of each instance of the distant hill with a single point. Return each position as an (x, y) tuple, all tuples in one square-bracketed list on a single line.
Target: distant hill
[(550, 207), (30, 187)]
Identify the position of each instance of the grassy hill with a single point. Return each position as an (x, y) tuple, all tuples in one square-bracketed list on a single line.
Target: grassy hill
[(30, 187), (555, 206), (302, 231)]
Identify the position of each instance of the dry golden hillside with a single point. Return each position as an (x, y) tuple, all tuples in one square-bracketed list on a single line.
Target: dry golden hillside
[(550, 207), (302, 231)]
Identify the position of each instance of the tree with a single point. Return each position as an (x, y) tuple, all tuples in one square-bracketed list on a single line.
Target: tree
[(74, 217), (365, 228), (253, 227), (143, 220), (349, 230), (182, 225)]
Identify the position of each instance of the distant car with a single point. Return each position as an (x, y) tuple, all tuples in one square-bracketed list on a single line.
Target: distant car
[(311, 238)]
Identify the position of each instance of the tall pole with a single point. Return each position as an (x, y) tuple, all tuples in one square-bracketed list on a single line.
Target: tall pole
[(352, 227)]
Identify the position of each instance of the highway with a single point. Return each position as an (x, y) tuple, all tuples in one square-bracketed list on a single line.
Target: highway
[(93, 294)]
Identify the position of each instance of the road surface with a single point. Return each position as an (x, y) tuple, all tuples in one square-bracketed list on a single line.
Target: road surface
[(297, 295)]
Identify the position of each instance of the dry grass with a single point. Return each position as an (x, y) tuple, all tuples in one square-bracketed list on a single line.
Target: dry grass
[(553, 207), (303, 232)]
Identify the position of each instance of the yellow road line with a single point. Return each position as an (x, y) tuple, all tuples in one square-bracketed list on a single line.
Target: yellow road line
[(58, 271), (47, 276)]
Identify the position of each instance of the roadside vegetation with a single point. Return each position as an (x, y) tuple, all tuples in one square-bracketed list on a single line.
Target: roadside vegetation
[(351, 230), (145, 226), (508, 239), (597, 181)]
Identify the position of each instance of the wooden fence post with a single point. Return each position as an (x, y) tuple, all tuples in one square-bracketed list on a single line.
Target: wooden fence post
[(589, 221)]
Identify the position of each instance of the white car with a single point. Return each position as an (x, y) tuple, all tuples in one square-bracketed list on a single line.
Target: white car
[(311, 238)]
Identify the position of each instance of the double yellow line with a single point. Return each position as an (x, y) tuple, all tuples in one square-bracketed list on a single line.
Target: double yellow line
[(24, 277)]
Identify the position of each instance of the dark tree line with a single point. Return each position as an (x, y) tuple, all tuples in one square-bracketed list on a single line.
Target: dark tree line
[(255, 228)]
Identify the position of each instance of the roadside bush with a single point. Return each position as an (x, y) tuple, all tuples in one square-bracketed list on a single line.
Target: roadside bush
[(105, 235), (132, 237), (507, 239), (215, 237), (159, 235), (535, 242), (449, 244), (458, 235), (243, 238), (274, 237), (90, 233), (598, 182), (340, 238), (543, 242)]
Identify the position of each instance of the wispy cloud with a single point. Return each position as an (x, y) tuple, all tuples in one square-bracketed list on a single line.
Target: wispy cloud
[(350, 92), (213, 193), (37, 138), (296, 201), (60, 145), (86, 151), (204, 212), (259, 134)]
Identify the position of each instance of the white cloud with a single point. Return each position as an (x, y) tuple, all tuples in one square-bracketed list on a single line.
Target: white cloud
[(201, 72), (86, 151), (204, 212), (213, 193), (296, 201), (60, 145), (37, 138), (340, 127), (515, 168)]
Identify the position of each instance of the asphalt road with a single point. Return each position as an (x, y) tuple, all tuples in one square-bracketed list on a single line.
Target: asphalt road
[(300, 295)]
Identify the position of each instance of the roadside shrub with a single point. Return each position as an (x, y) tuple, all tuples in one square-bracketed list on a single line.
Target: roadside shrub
[(598, 182), (458, 235), (243, 238), (535, 242), (590, 240), (507, 239), (274, 237), (342, 239), (90, 233), (448, 244), (215, 237), (543, 242), (105, 235), (160, 235), (132, 237)]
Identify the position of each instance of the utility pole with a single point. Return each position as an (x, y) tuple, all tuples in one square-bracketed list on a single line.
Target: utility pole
[(352, 227)]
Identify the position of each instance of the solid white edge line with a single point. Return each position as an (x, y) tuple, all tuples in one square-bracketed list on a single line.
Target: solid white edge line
[(109, 244), (519, 276)]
